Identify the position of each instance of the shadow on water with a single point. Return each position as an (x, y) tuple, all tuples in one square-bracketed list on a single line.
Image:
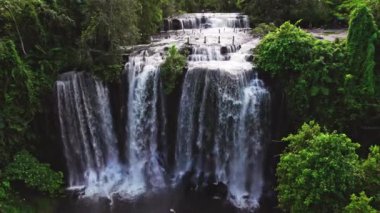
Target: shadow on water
[(168, 201), (163, 202)]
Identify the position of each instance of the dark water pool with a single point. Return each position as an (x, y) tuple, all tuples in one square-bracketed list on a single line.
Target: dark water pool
[(181, 201)]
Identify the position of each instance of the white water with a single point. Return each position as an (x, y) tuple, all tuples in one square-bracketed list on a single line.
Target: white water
[(210, 20), (143, 124), (222, 122), (87, 133)]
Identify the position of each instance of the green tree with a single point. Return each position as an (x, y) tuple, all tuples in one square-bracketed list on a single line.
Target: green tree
[(318, 171), (172, 69), (310, 71), (150, 18), (4, 192), (360, 204), (361, 40), (286, 51), (6, 204), (34, 25), (371, 167), (347, 6), (18, 100), (315, 75), (312, 12), (263, 29), (107, 26), (34, 174), (169, 8)]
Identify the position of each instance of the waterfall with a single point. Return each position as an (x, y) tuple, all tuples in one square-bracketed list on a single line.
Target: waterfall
[(222, 126), (251, 133), (222, 122), (143, 125), (208, 20), (87, 133), (89, 140)]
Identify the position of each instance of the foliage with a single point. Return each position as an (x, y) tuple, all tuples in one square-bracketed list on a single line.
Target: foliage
[(169, 8), (348, 6), (361, 40), (5, 198), (310, 71), (285, 51), (150, 18), (38, 28), (312, 12), (172, 69), (318, 82), (107, 26), (360, 204), (263, 29), (360, 89), (374, 5), (318, 171), (371, 167), (209, 5), (18, 100), (10, 202), (34, 174), (4, 190)]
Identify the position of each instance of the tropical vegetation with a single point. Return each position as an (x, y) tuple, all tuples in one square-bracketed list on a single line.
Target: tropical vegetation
[(332, 86)]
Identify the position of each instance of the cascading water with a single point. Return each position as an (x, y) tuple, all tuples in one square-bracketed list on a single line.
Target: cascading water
[(88, 137), (143, 126), (208, 20), (221, 125), (246, 166), (222, 122)]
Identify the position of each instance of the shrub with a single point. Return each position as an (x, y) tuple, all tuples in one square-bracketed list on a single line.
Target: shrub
[(171, 69), (371, 167), (263, 29), (285, 51), (360, 204), (4, 190), (34, 174)]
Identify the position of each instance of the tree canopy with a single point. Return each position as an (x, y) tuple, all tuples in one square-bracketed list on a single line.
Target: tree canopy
[(319, 83), (318, 171)]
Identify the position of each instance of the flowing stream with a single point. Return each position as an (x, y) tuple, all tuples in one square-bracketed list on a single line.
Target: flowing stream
[(221, 125)]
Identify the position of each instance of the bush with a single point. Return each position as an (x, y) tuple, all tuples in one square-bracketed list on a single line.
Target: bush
[(172, 69), (34, 174), (371, 167), (5, 197), (360, 204), (4, 190), (263, 29), (10, 202), (318, 171), (285, 51)]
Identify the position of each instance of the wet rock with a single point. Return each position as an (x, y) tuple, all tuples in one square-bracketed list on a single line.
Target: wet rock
[(249, 58)]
